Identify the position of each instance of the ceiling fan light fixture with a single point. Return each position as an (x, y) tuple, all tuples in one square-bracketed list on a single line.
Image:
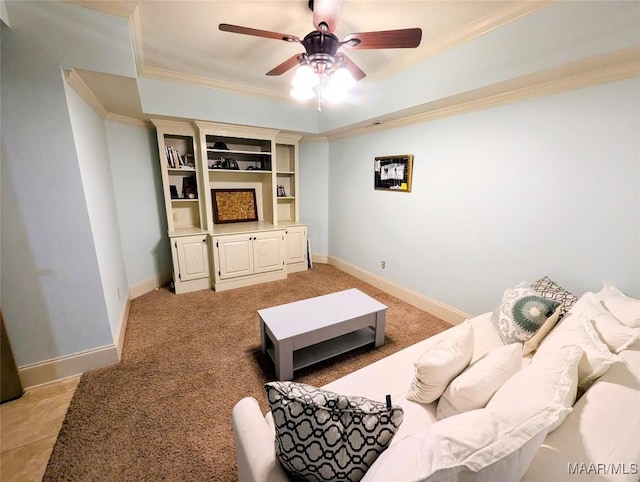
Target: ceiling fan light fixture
[(305, 78), (340, 83), (342, 79)]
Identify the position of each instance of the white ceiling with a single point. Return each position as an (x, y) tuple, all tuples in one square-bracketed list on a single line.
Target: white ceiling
[(180, 40)]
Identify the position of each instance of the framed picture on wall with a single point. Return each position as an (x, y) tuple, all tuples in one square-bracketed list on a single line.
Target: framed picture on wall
[(393, 173)]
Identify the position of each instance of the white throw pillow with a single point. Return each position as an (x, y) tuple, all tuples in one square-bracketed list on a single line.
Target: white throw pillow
[(475, 386), (615, 335), (578, 330), (488, 444), (533, 343), (552, 380), (441, 363), (623, 307)]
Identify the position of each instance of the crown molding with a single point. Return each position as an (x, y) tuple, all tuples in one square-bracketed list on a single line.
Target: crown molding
[(119, 8), (136, 38), (310, 138), (620, 65), (123, 119)]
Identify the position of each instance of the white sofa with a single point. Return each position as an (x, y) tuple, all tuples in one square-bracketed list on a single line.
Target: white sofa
[(598, 441)]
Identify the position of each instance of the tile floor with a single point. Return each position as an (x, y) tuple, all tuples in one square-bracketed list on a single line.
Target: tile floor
[(29, 427)]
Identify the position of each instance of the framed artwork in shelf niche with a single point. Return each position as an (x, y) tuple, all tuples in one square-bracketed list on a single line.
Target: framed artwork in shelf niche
[(234, 205), (393, 173)]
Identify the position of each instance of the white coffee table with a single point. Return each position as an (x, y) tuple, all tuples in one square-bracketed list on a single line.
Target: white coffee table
[(299, 334)]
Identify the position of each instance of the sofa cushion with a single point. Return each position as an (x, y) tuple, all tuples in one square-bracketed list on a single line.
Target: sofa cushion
[(623, 307), (616, 335), (475, 386), (489, 444), (603, 428), (578, 330), (550, 289), (441, 363), (521, 313), (321, 435)]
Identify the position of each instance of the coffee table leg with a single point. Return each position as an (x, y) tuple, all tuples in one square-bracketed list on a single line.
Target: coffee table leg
[(380, 320), (284, 360), (263, 339)]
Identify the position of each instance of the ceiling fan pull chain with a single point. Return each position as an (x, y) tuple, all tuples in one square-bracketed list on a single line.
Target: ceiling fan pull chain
[(321, 92)]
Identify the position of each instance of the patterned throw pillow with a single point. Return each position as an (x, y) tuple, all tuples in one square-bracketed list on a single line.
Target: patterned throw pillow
[(547, 288), (521, 313), (321, 435)]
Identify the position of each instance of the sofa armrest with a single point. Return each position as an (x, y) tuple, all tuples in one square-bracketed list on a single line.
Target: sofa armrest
[(254, 439)]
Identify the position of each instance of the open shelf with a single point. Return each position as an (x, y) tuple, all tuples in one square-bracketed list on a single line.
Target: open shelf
[(325, 350)]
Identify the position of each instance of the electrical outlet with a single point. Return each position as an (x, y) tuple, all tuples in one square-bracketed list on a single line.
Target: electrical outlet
[(119, 292), (382, 264)]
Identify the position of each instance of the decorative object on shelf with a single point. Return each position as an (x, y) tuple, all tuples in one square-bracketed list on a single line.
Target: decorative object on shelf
[(322, 67), (393, 173), (220, 145), (189, 160), (234, 205), (174, 191), (189, 190), (281, 191)]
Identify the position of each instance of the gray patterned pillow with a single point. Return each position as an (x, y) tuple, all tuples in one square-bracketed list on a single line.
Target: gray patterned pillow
[(521, 313), (321, 435), (547, 288)]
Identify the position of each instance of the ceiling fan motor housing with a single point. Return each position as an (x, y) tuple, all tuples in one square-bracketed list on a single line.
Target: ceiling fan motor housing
[(321, 50)]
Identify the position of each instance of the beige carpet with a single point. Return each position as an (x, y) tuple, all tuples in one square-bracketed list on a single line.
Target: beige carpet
[(164, 412)]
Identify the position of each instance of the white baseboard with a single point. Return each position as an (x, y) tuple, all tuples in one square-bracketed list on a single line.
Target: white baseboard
[(442, 311), (123, 327), (67, 366), (148, 285), (320, 258)]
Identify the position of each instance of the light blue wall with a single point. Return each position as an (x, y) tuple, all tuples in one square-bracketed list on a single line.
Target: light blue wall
[(93, 158), (133, 154), (160, 97), (548, 186), (314, 193), (52, 296)]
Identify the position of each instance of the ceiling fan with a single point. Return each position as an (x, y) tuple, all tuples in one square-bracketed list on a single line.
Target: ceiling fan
[(322, 45)]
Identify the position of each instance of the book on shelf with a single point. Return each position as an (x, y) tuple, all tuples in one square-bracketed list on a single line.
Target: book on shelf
[(170, 162), (174, 159)]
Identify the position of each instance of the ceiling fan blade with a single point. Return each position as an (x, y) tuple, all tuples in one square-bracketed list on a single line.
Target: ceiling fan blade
[(225, 27), (356, 71), (326, 11), (407, 38), (290, 63)]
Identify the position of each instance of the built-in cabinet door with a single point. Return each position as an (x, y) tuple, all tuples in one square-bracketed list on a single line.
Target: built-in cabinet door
[(193, 262), (296, 244), (235, 255), (268, 251)]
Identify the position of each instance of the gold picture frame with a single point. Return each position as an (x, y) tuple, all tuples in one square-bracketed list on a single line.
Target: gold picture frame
[(393, 173)]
